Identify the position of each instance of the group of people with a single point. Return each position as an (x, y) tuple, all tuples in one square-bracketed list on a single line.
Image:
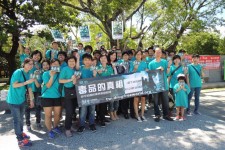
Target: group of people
[(47, 80)]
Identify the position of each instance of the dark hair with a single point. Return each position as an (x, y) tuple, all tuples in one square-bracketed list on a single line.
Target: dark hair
[(86, 55), (130, 52), (172, 52), (80, 44), (176, 57), (45, 60), (71, 57), (97, 52), (152, 48), (26, 61), (54, 42), (88, 47), (62, 53), (36, 52), (111, 53), (54, 60), (182, 51), (74, 50), (103, 56), (138, 52), (125, 52), (195, 55), (146, 51)]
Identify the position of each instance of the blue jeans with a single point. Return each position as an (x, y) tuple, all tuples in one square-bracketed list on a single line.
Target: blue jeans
[(197, 91), (83, 114), (18, 112), (113, 106)]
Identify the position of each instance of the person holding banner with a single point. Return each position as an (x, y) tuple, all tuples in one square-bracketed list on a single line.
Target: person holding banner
[(103, 71), (161, 64), (194, 75), (137, 66), (86, 72), (113, 106), (126, 65), (68, 79), (18, 98), (51, 98)]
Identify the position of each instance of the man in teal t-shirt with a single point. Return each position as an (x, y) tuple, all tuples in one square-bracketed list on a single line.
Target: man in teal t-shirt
[(195, 73), (162, 65)]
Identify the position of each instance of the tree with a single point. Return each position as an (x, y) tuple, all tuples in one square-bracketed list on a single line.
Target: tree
[(106, 11), (18, 16), (202, 43)]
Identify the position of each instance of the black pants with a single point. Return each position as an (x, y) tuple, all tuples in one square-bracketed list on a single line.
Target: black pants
[(126, 104), (70, 105), (101, 111), (163, 96), (37, 107)]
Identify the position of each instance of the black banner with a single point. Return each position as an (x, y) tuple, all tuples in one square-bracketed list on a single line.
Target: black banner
[(105, 89)]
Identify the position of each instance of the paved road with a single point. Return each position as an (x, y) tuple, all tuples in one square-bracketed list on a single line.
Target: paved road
[(206, 131)]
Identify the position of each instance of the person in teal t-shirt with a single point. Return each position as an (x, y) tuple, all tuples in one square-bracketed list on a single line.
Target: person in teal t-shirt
[(181, 91), (36, 88), (68, 79), (175, 69), (105, 70), (195, 73), (51, 99), (17, 100), (87, 72), (137, 66), (52, 53), (162, 65), (24, 52)]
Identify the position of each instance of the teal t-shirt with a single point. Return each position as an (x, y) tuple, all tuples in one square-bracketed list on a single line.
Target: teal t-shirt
[(141, 67), (49, 53), (67, 73), (23, 57), (128, 65), (194, 78), (17, 95), (64, 64), (153, 65), (173, 79), (108, 71), (53, 91), (86, 72), (181, 97)]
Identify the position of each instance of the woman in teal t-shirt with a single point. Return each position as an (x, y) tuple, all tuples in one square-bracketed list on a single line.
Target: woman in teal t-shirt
[(68, 79), (104, 70), (51, 101), (138, 66), (17, 100)]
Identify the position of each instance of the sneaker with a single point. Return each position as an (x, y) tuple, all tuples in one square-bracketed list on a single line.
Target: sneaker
[(81, 129), (126, 116), (182, 119), (157, 119), (102, 124), (139, 119), (177, 118), (57, 130), (68, 133), (188, 112), (72, 129), (197, 113), (107, 121), (24, 143), (168, 118), (143, 118), (28, 128), (51, 135), (38, 125), (25, 136), (92, 128)]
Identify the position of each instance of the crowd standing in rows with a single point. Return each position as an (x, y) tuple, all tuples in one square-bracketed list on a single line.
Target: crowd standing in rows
[(47, 80)]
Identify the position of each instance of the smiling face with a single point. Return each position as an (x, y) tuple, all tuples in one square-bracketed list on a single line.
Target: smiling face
[(103, 60), (45, 66), (125, 57), (55, 64), (158, 53), (138, 56), (29, 65), (71, 63), (36, 57), (113, 57), (87, 62), (55, 46), (61, 57)]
